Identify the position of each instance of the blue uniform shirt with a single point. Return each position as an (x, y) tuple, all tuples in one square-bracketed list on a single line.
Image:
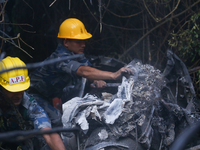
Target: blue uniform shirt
[(51, 80), (27, 115), (35, 113)]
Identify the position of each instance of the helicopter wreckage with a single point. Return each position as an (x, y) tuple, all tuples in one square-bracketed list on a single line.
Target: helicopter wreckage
[(148, 111)]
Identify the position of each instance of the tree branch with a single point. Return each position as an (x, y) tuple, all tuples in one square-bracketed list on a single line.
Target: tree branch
[(156, 28)]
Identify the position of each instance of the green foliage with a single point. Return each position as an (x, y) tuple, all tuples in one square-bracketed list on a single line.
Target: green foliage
[(186, 41), (198, 73)]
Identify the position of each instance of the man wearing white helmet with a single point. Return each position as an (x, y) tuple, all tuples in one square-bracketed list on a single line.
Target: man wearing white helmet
[(20, 111)]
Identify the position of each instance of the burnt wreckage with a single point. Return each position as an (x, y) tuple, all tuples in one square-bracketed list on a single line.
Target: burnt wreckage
[(148, 111)]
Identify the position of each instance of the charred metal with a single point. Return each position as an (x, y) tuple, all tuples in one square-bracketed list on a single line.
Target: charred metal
[(148, 111)]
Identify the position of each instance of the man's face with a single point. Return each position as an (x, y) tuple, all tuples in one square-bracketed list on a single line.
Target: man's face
[(13, 97), (76, 46)]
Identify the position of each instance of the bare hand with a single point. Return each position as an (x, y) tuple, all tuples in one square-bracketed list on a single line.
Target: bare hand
[(98, 84), (123, 71)]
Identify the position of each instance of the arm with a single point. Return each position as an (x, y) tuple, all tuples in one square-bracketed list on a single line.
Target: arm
[(96, 74), (53, 140), (41, 121)]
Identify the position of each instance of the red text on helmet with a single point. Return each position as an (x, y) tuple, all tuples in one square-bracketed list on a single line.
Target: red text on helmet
[(17, 79)]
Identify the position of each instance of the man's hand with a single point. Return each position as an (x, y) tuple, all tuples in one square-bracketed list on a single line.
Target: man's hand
[(123, 71), (98, 84), (53, 140)]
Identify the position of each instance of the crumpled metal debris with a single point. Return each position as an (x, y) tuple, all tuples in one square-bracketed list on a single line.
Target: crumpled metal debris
[(145, 111), (78, 109)]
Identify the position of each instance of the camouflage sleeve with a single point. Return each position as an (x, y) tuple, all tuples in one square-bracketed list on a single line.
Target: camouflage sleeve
[(35, 112), (71, 66)]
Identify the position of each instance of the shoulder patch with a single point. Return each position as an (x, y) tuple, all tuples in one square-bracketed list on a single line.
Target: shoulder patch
[(31, 99)]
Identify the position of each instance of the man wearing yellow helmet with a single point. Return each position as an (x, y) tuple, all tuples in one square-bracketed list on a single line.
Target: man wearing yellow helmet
[(49, 81), (20, 111), (66, 78)]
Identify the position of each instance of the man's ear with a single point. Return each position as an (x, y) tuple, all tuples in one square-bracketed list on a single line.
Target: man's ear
[(65, 42)]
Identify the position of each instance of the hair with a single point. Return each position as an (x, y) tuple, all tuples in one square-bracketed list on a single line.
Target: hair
[(1, 92), (1, 87), (60, 41)]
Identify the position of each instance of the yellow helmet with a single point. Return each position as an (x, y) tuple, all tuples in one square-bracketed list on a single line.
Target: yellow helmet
[(14, 80), (73, 28)]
